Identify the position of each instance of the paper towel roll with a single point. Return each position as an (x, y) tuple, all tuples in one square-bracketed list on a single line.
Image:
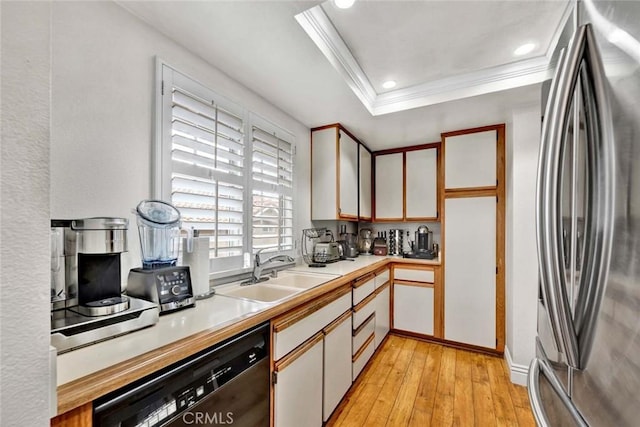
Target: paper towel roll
[(198, 262)]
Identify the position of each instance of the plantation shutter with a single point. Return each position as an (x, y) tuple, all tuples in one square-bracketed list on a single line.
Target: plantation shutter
[(272, 183)]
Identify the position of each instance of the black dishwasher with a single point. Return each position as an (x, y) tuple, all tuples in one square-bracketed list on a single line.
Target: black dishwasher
[(227, 384)]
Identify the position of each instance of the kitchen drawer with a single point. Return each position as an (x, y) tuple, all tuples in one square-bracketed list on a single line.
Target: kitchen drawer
[(382, 277), (363, 355), (363, 332), (363, 287), (362, 311), (413, 275), (293, 329)]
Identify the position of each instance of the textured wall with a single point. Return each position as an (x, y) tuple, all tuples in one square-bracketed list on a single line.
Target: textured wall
[(24, 214)]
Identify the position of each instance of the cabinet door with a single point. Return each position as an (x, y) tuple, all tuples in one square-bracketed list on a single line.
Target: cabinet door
[(422, 184), (389, 187), (470, 271), (298, 387), (324, 174), (337, 363), (413, 308), (470, 160), (383, 320), (348, 181), (365, 183)]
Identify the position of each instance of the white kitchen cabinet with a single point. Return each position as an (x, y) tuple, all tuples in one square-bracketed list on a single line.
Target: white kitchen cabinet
[(337, 363), (348, 181), (470, 271), (365, 183), (298, 388), (335, 177), (389, 187), (413, 308), (470, 160), (421, 188), (383, 315)]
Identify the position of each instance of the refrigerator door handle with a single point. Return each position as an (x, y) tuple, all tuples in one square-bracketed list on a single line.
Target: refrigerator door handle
[(548, 223), (537, 367), (599, 240), (543, 237)]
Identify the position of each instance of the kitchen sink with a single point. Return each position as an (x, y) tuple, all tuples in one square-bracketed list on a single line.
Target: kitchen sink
[(294, 279), (261, 292)]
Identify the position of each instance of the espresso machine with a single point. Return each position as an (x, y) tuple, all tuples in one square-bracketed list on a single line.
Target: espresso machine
[(87, 304), (422, 247), (160, 280)]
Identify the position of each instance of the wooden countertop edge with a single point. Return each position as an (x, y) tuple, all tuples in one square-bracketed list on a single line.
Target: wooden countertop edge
[(86, 389)]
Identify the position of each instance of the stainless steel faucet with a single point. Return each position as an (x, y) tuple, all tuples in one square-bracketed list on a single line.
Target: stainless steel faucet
[(258, 266)]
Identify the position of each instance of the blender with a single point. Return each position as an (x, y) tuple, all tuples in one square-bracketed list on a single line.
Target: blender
[(160, 280)]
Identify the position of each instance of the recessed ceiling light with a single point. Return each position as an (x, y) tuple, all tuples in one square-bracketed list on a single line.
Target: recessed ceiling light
[(389, 84), (524, 49), (344, 4)]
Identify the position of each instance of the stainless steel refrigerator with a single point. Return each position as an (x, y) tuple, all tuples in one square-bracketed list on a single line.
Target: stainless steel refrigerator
[(587, 365)]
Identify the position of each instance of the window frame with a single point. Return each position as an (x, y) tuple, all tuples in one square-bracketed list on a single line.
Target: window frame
[(166, 76)]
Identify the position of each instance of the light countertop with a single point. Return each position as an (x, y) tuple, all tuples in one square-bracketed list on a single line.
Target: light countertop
[(78, 370)]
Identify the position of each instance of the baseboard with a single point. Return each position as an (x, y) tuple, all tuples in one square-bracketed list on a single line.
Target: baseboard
[(518, 372)]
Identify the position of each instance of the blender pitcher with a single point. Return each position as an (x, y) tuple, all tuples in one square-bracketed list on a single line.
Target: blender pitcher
[(159, 230)]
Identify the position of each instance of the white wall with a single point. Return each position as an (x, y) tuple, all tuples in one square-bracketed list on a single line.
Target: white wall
[(24, 214), (102, 112), (522, 261)]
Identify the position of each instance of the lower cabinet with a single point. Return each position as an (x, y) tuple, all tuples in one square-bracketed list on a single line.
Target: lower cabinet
[(298, 386), (383, 315), (413, 308), (337, 363)]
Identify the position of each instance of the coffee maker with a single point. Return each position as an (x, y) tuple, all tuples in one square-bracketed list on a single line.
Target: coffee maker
[(87, 304), (422, 247)]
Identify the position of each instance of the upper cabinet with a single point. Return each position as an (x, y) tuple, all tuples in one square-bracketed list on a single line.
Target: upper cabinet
[(470, 160), (365, 183), (340, 175), (406, 184)]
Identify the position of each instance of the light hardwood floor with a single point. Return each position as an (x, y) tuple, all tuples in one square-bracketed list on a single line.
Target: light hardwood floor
[(415, 383)]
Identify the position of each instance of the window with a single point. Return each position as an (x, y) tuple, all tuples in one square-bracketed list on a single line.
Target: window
[(234, 189)]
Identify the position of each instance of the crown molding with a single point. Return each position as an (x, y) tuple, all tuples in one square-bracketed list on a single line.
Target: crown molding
[(320, 29)]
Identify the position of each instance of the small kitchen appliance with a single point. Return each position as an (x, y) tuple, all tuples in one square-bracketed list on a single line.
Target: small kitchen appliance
[(423, 247), (160, 280), (326, 252), (365, 241), (350, 244), (87, 304)]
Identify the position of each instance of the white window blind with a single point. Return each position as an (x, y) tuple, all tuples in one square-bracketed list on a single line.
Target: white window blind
[(272, 175), (235, 190)]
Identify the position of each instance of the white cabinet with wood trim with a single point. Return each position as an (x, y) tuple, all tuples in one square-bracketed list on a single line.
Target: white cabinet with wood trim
[(470, 272), (421, 184), (336, 180), (365, 189), (337, 363), (406, 184), (298, 386), (389, 187), (383, 313), (470, 160), (413, 308), (362, 356)]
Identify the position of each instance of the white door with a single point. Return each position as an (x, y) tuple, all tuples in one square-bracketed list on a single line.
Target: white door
[(470, 160), (389, 186), (348, 176), (365, 183), (383, 321), (470, 271), (422, 183), (298, 388), (337, 364), (323, 174), (413, 308)]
